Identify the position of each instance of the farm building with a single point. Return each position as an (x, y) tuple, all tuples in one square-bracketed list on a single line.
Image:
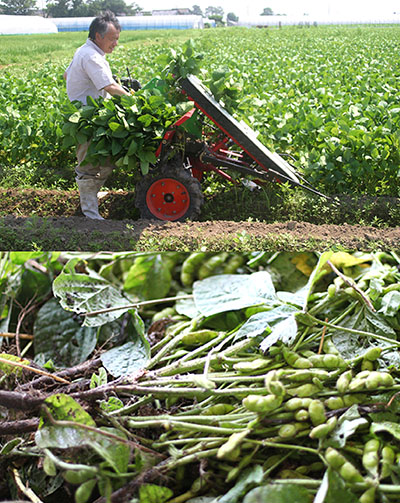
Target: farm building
[(171, 22), (24, 25)]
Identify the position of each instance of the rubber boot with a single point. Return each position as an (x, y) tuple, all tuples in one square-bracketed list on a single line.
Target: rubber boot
[(88, 189)]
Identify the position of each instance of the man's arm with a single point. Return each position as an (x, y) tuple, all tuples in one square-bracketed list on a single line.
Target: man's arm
[(115, 89)]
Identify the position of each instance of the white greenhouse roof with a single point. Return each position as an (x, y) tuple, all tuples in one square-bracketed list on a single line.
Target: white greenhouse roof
[(26, 25), (133, 22), (262, 21)]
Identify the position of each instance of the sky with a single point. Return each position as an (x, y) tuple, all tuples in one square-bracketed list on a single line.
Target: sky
[(317, 8)]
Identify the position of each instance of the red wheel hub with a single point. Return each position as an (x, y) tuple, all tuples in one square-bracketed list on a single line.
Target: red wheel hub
[(167, 199)]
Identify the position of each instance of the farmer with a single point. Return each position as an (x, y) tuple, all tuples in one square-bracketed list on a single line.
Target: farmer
[(89, 74)]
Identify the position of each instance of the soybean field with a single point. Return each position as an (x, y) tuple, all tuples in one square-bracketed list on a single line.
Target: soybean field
[(327, 96)]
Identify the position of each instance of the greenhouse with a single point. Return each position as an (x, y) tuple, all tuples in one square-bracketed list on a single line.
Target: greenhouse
[(265, 21), (26, 25), (134, 23)]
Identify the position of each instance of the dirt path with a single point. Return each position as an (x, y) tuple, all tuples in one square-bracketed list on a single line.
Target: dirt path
[(78, 233), (50, 220)]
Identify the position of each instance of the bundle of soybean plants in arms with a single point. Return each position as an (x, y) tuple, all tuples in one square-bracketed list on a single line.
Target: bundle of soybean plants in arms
[(129, 129), (219, 378), (126, 129)]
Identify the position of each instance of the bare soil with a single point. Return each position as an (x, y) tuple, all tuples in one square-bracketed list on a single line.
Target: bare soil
[(82, 234), (51, 220)]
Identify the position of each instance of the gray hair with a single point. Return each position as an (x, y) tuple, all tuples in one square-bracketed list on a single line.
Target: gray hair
[(101, 22)]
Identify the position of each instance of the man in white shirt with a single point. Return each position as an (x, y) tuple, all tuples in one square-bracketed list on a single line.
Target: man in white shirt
[(89, 74)]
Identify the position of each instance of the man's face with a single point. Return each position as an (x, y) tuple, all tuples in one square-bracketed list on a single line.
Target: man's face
[(110, 40)]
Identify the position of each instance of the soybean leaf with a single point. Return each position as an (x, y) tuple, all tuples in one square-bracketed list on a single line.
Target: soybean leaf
[(249, 477), (347, 425), (116, 453), (34, 281), (275, 493), (333, 489), (60, 337), (126, 359), (258, 323), (388, 427), (229, 292), (292, 270), (83, 293), (186, 307), (127, 328), (12, 369), (9, 446), (149, 277), (390, 304), (20, 258), (344, 259), (364, 320), (284, 331), (63, 408), (318, 272), (151, 493)]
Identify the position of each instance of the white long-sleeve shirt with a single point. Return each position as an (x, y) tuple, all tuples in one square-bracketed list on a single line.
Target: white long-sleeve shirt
[(88, 73)]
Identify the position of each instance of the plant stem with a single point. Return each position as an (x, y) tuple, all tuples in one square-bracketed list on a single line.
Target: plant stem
[(171, 423), (137, 305), (188, 392), (192, 458), (198, 363), (184, 441)]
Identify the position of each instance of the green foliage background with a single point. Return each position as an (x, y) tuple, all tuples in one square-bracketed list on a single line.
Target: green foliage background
[(329, 96)]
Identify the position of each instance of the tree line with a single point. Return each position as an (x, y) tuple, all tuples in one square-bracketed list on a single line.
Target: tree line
[(89, 8)]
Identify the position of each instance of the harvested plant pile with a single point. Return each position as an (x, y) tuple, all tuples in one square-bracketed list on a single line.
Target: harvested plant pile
[(266, 377)]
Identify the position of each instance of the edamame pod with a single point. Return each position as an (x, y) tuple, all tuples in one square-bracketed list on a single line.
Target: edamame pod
[(84, 491), (207, 268), (295, 360), (198, 337), (259, 403), (287, 431), (305, 390), (297, 403), (316, 411), (334, 458), (370, 458), (327, 361), (388, 458), (323, 430), (252, 365), (78, 477), (350, 473), (368, 496), (343, 382), (190, 266)]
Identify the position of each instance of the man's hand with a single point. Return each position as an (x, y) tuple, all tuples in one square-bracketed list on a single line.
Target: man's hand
[(116, 90)]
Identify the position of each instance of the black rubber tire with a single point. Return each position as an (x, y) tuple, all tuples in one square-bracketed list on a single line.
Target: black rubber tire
[(174, 170)]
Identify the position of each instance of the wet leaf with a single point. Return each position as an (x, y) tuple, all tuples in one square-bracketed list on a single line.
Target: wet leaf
[(84, 293), (63, 408), (230, 292), (149, 277), (288, 493), (249, 477), (126, 359), (60, 337)]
